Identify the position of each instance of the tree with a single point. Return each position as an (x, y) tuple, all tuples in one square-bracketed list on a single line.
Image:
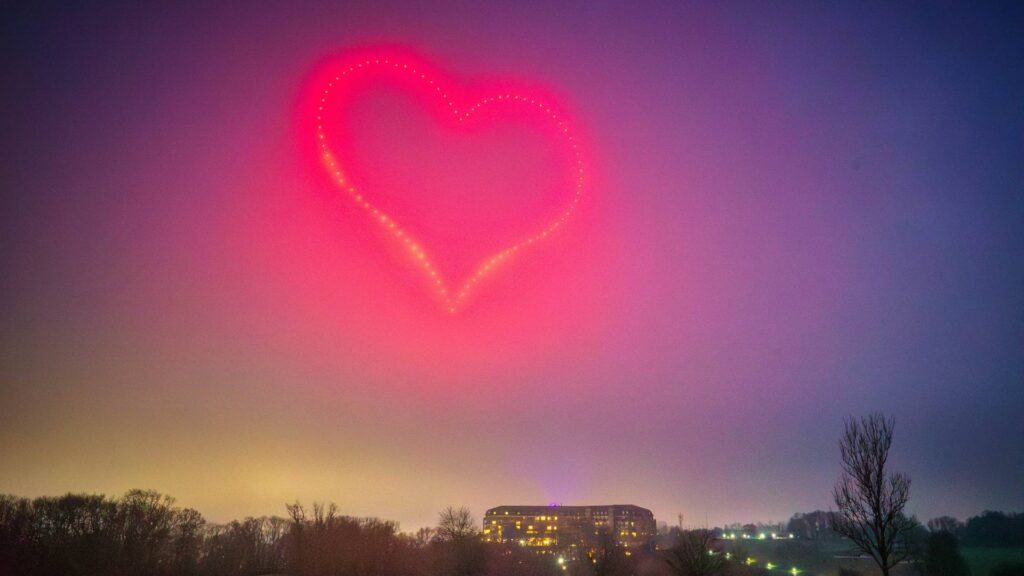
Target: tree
[(607, 557), (694, 555), (942, 556), (250, 546), (147, 520), (461, 551), (423, 537), (869, 498), (815, 525), (945, 524), (455, 525), (994, 529)]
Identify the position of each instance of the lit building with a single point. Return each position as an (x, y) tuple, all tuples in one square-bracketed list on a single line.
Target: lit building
[(570, 530)]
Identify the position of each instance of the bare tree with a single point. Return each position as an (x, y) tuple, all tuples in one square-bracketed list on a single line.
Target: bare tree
[(460, 550), (455, 525), (945, 524), (871, 499), (423, 537), (694, 555)]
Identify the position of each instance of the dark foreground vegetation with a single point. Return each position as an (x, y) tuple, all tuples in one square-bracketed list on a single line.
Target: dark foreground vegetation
[(145, 533)]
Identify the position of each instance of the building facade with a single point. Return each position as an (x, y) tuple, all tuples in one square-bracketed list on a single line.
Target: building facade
[(571, 531)]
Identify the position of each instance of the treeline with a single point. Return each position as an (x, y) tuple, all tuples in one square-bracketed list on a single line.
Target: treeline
[(990, 529), (815, 525), (144, 533), (86, 534)]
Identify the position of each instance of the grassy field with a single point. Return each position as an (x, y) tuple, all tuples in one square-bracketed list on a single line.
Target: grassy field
[(982, 560), (819, 558)]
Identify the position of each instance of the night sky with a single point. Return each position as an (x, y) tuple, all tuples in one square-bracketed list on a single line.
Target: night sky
[(794, 213)]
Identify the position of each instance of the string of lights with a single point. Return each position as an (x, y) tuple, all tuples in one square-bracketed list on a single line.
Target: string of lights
[(453, 298)]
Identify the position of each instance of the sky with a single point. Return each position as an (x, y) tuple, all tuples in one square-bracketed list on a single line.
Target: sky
[(793, 213)]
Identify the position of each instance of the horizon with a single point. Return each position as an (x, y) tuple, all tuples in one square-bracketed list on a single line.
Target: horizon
[(659, 520), (693, 240)]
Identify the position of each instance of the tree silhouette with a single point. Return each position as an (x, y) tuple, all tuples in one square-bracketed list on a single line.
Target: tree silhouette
[(461, 553), (942, 556), (870, 499), (455, 524), (693, 555), (945, 524)]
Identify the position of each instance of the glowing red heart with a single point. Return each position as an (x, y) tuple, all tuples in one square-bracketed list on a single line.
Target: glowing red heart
[(460, 110)]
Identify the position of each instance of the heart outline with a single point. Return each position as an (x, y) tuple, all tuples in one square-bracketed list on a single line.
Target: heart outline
[(453, 301)]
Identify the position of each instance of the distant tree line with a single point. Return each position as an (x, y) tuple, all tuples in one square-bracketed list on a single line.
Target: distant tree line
[(815, 525), (990, 529), (144, 533)]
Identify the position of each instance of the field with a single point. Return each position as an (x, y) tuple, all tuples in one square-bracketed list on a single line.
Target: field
[(825, 558), (982, 560)]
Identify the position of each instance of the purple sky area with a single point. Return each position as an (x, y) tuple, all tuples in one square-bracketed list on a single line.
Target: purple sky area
[(797, 212)]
